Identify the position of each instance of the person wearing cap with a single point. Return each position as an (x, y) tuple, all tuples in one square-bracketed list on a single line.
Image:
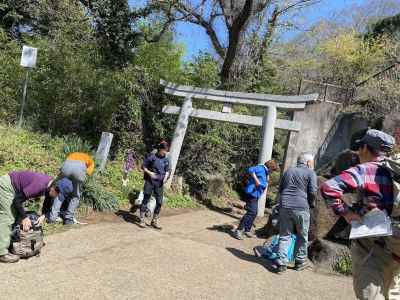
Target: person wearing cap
[(156, 167), (61, 206), (75, 168), (16, 188), (254, 189), (297, 191), (375, 261)]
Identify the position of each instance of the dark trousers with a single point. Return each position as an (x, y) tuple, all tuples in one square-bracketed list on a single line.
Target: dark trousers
[(149, 189), (251, 213)]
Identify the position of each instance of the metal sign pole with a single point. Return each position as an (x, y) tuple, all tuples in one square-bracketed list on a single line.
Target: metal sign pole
[(21, 114)]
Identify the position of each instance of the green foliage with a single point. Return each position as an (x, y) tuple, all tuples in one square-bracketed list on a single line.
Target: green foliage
[(377, 98), (349, 58), (343, 264), (114, 31), (24, 150), (387, 26), (11, 76), (14, 15), (96, 196), (202, 72), (74, 143), (180, 201), (162, 60)]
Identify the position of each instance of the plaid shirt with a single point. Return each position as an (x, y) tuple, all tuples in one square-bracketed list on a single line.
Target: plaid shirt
[(373, 182)]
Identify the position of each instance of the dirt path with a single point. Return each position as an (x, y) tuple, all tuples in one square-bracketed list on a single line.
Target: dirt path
[(190, 259)]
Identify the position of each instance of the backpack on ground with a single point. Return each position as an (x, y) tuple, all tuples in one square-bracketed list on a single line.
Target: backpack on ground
[(270, 251), (27, 244)]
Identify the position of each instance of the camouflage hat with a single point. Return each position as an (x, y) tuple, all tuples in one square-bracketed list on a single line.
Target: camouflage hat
[(377, 140)]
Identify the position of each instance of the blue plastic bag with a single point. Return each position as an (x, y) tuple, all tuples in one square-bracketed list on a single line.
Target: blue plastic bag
[(271, 251)]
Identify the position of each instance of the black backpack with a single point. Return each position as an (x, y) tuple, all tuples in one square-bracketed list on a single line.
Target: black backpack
[(27, 244)]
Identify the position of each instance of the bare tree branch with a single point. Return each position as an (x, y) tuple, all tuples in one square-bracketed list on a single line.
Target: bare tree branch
[(199, 20), (234, 38), (299, 4)]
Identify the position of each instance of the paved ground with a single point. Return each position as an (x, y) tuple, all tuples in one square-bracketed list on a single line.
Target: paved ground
[(192, 258)]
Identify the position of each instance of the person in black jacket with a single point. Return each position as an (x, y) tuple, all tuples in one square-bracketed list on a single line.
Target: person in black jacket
[(156, 169)]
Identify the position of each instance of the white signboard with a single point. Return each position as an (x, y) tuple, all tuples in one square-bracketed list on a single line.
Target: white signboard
[(28, 58)]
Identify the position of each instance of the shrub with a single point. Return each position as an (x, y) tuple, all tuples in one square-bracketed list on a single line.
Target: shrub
[(74, 143), (343, 264), (180, 201), (96, 196)]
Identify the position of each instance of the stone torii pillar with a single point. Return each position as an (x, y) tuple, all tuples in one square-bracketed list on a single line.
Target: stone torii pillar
[(268, 122), (268, 134), (179, 135)]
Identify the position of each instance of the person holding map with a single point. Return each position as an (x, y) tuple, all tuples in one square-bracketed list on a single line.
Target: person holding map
[(375, 260)]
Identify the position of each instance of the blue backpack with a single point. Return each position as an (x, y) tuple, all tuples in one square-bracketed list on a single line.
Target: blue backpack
[(271, 251)]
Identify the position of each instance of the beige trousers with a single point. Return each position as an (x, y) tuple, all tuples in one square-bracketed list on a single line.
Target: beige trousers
[(374, 268)]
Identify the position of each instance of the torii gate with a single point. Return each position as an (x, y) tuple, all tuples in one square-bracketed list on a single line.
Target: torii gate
[(268, 122)]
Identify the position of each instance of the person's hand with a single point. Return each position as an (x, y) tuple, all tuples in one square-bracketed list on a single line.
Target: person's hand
[(257, 183), (351, 216), (41, 220), (26, 224), (153, 175)]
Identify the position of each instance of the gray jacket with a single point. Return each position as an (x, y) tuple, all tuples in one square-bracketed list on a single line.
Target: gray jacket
[(298, 188)]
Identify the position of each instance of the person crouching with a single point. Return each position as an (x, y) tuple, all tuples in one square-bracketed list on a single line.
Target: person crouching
[(15, 189)]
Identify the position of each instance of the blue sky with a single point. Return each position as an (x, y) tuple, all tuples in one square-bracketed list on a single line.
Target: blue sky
[(195, 39)]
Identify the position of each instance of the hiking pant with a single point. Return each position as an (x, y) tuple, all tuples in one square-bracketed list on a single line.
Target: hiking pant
[(293, 221), (74, 170), (64, 210), (7, 212), (373, 267), (251, 213), (149, 189)]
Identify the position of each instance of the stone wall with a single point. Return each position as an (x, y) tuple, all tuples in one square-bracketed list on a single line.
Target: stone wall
[(325, 132), (316, 122), (346, 129)]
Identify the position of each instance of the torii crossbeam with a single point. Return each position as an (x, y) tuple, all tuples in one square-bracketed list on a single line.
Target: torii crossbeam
[(268, 122)]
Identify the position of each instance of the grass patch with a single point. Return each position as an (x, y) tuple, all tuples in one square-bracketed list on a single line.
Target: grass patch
[(180, 201), (50, 229), (343, 264)]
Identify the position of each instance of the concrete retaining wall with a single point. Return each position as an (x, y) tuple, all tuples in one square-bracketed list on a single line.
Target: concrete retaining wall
[(316, 122)]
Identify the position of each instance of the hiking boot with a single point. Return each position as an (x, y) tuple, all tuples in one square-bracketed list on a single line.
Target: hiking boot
[(156, 223), (69, 222), (299, 266), (249, 234), (142, 223), (9, 258), (238, 234), (281, 269)]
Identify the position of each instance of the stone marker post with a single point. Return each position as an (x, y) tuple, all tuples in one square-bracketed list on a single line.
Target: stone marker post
[(103, 149), (268, 131), (179, 135)]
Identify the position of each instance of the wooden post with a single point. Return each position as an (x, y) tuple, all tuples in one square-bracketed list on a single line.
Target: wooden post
[(179, 135), (266, 149), (103, 149)]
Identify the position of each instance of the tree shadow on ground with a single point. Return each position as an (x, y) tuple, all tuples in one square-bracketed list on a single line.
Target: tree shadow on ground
[(225, 228), (227, 211), (230, 229), (253, 259)]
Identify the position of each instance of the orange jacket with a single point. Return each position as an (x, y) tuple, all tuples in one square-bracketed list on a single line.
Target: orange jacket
[(84, 158)]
